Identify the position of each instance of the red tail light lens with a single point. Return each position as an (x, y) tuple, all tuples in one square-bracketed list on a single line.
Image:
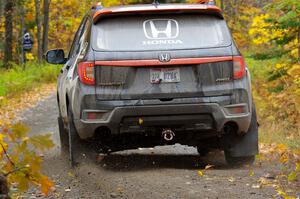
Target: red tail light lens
[(239, 67), (86, 72)]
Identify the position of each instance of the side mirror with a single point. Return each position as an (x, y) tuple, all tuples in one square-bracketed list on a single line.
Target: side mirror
[(56, 56)]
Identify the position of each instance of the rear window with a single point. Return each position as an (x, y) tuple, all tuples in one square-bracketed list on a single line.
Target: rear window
[(160, 32)]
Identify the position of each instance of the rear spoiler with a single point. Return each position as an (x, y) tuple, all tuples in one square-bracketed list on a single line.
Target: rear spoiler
[(152, 9)]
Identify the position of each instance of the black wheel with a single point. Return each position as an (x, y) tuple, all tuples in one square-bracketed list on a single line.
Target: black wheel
[(74, 140), (63, 135), (202, 151), (239, 161)]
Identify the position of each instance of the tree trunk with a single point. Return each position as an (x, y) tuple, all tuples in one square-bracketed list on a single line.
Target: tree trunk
[(22, 30), (1, 10), (46, 26), (8, 13), (39, 30), (3, 187)]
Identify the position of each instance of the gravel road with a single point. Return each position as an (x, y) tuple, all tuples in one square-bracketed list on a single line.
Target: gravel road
[(162, 172)]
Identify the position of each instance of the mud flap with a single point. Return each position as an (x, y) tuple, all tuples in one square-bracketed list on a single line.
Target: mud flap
[(243, 145)]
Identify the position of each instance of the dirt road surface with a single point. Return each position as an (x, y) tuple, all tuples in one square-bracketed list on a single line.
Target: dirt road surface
[(162, 172)]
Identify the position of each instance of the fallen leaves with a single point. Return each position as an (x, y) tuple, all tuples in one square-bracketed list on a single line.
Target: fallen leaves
[(207, 167), (22, 160), (46, 184), (11, 107), (251, 173), (200, 173), (287, 182), (231, 179)]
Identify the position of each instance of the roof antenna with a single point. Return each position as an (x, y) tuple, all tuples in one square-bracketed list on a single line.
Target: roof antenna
[(155, 3)]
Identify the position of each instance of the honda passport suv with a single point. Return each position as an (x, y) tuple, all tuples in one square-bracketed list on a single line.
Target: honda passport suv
[(149, 75)]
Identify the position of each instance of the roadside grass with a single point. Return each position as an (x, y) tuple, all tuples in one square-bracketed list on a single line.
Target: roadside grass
[(17, 80), (273, 133), (272, 129)]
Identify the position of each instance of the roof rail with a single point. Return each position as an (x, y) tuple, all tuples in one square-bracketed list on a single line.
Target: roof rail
[(207, 2), (97, 6)]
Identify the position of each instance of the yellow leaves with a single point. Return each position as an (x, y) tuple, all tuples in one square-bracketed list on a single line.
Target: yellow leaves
[(294, 70), (262, 32), (297, 167), (207, 167), (3, 145), (46, 184), (231, 179), (281, 148), (1, 137), (293, 174), (71, 174), (22, 162), (251, 173), (19, 131), (283, 194), (23, 150), (200, 173), (42, 142), (29, 56), (284, 158), (22, 180), (279, 66)]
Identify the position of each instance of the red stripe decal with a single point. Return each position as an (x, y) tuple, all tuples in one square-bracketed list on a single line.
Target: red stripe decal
[(154, 62)]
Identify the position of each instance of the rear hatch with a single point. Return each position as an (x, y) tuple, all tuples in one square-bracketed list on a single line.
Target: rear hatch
[(162, 57)]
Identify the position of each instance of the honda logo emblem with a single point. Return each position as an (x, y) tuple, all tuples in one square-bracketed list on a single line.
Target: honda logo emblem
[(164, 57), (161, 29)]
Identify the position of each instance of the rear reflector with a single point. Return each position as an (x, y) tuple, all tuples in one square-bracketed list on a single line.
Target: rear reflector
[(239, 67), (236, 109), (93, 115), (86, 72)]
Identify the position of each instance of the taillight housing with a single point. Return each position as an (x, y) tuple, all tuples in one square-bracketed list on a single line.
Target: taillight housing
[(86, 72), (239, 67)]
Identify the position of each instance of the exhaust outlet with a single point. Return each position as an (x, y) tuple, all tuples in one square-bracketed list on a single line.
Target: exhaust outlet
[(230, 128), (168, 134)]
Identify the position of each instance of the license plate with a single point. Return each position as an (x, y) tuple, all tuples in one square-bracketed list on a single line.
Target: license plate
[(164, 75)]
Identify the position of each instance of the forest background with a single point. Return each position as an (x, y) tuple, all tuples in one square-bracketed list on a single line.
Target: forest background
[(266, 31)]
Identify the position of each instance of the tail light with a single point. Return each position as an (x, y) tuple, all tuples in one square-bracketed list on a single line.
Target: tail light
[(239, 67), (86, 72)]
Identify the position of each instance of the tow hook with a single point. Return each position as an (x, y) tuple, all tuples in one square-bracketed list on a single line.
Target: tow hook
[(168, 134)]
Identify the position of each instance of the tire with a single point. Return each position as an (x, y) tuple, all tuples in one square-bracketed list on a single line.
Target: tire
[(202, 151), (244, 160), (63, 135), (74, 140), (239, 161)]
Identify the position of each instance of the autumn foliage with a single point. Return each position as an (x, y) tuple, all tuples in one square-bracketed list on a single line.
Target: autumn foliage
[(268, 32), (21, 157)]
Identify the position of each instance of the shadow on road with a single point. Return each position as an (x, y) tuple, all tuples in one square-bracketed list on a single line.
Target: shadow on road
[(136, 162)]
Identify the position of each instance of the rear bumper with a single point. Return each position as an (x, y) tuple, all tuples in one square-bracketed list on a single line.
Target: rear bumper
[(200, 116)]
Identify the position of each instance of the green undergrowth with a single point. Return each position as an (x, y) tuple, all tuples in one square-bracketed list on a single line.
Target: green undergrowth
[(17, 80), (273, 128)]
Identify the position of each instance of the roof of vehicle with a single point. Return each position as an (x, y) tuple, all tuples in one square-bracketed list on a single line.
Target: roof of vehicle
[(151, 8)]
